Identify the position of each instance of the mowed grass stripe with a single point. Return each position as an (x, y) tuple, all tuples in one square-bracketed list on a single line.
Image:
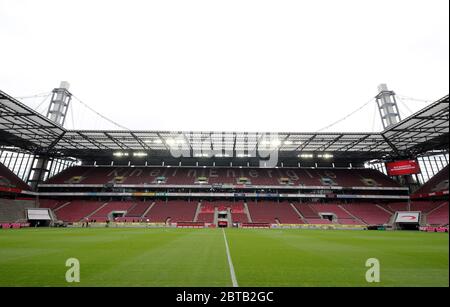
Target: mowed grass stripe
[(230, 261), (337, 258), (197, 257), (115, 257)]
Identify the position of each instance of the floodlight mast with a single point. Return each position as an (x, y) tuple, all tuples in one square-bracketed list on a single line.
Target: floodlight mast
[(390, 115), (57, 111), (387, 106)]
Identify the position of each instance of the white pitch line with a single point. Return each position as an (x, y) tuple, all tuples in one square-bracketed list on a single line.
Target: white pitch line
[(230, 263)]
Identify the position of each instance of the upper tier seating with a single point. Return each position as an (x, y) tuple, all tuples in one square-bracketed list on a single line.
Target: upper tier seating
[(438, 183), (176, 210), (189, 176), (270, 212), (9, 180)]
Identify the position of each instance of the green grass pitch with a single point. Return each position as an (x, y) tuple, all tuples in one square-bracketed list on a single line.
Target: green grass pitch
[(197, 257)]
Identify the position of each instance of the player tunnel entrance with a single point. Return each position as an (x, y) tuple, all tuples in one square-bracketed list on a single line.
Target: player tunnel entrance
[(222, 218)]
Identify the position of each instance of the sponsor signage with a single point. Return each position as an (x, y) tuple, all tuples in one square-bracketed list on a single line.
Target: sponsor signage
[(404, 167), (407, 217)]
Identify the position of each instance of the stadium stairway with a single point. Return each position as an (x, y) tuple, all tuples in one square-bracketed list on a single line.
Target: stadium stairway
[(138, 210), (216, 216), (51, 204), (148, 210), (437, 207), (62, 206), (298, 212), (197, 212), (384, 209), (95, 211), (353, 216), (438, 215), (229, 219), (248, 213)]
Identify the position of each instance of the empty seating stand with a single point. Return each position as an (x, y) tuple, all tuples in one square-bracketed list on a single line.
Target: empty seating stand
[(342, 217), (138, 209), (77, 210), (272, 212), (52, 204), (9, 180), (14, 210), (217, 175), (439, 215), (368, 213), (307, 211), (173, 211), (102, 214), (436, 186)]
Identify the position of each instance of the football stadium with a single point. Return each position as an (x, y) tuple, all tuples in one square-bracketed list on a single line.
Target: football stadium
[(223, 209)]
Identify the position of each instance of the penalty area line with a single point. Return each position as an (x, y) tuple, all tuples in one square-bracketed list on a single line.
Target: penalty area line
[(230, 263)]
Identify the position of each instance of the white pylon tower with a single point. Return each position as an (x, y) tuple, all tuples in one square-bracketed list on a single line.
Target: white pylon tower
[(387, 106), (57, 111)]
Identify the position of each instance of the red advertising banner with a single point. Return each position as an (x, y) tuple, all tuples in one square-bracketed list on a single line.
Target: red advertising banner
[(405, 167)]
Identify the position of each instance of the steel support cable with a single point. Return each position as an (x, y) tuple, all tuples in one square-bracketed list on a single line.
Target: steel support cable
[(99, 114), (346, 116)]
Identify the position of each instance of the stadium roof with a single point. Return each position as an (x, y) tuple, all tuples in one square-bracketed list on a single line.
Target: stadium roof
[(23, 128), (425, 130)]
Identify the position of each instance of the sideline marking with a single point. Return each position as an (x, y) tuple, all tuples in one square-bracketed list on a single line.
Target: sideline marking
[(230, 263)]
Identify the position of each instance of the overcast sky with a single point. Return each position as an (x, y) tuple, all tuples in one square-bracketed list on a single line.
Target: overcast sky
[(226, 65)]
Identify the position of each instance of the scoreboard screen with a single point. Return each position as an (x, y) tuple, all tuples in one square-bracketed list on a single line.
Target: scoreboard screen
[(404, 167)]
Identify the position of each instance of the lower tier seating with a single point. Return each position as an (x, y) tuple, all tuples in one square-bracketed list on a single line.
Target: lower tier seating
[(271, 212), (369, 213), (77, 210), (173, 211)]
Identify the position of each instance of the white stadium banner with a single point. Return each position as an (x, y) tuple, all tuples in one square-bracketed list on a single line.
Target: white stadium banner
[(407, 217), (38, 214)]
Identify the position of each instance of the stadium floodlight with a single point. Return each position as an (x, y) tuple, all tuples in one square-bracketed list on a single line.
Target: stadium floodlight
[(306, 156), (288, 143), (325, 156), (272, 143), (140, 154), (120, 154), (158, 141), (201, 155), (275, 143), (243, 155), (170, 142), (222, 155)]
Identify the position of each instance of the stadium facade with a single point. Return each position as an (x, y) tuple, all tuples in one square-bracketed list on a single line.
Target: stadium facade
[(50, 175)]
